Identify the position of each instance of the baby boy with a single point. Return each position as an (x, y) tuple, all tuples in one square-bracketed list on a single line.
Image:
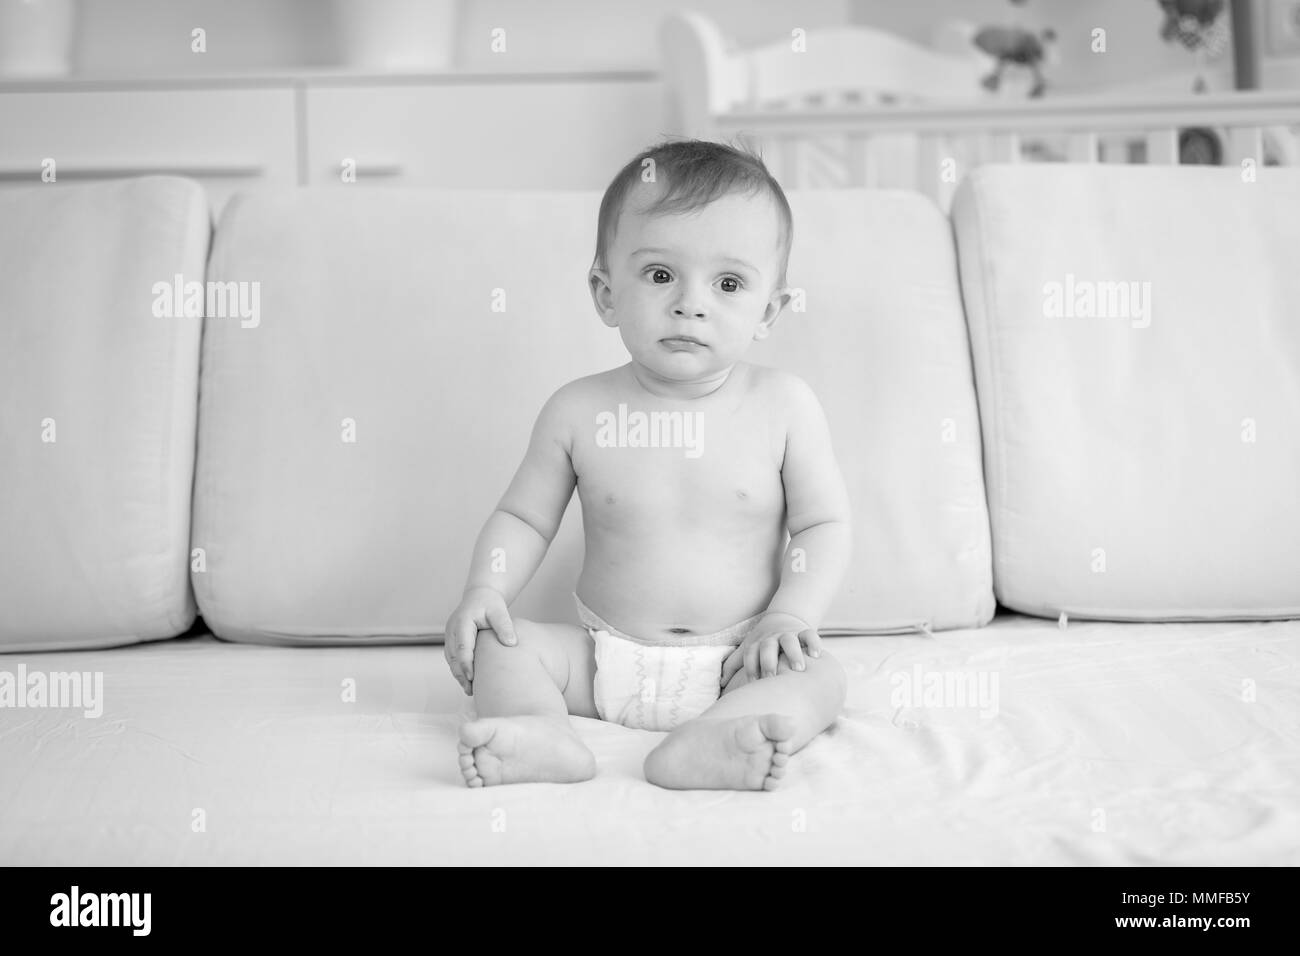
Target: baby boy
[(698, 617)]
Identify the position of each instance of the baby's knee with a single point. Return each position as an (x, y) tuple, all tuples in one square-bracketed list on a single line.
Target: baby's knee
[(832, 671), (825, 668), (488, 644)]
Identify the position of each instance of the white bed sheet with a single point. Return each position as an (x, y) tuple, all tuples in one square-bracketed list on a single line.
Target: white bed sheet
[(1112, 744)]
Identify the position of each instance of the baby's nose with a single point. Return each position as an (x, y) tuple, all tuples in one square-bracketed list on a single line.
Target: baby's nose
[(689, 308)]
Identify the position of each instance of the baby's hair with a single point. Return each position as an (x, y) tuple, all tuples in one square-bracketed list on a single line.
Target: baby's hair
[(696, 172)]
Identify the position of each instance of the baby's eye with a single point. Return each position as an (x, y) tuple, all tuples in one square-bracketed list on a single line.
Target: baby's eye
[(735, 284), (656, 273)]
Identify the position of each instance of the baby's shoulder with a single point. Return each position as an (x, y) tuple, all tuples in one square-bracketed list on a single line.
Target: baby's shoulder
[(787, 399), (575, 399), (779, 386)]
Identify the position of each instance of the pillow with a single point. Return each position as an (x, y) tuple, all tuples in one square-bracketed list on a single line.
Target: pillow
[(353, 443), (98, 395), (1137, 357), (882, 341)]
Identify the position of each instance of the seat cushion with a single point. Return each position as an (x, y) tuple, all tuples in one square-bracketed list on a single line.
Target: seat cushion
[(1137, 355), (353, 443), (98, 396)]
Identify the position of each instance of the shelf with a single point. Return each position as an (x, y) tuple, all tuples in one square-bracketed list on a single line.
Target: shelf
[(322, 77)]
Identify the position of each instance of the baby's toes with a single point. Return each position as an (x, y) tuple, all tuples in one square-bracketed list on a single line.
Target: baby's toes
[(467, 768), (776, 770)]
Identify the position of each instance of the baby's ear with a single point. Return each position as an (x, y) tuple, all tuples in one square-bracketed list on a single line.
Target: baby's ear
[(602, 296), (780, 298)]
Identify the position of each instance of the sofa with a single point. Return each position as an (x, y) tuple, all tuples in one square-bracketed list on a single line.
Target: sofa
[(245, 461)]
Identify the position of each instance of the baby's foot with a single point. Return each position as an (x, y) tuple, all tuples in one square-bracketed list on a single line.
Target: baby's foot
[(522, 750), (734, 753)]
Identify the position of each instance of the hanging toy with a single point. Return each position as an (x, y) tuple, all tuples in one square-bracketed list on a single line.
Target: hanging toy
[(1018, 47), (1197, 26)]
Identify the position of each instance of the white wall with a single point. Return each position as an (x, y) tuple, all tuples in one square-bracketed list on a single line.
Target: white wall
[(153, 36), (621, 34)]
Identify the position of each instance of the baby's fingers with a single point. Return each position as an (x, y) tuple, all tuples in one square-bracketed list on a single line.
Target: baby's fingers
[(769, 655), (793, 652), (498, 618), (461, 633), (459, 674), (812, 640), (734, 662)]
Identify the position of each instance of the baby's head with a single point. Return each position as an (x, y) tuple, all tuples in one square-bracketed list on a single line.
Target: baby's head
[(692, 241)]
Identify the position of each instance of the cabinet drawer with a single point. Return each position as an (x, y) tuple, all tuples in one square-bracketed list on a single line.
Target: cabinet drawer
[(226, 139), (494, 135)]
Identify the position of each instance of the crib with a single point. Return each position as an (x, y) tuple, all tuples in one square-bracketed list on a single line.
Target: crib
[(871, 109)]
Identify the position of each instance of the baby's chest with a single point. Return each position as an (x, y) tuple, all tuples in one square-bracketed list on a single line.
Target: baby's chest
[(723, 476)]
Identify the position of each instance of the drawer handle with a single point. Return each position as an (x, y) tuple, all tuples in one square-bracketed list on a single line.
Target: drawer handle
[(373, 169)]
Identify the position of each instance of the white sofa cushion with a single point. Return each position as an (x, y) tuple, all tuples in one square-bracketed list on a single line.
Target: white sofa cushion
[(1142, 457), (377, 307), (94, 524), (883, 343)]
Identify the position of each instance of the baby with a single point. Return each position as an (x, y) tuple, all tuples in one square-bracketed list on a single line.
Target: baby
[(691, 466)]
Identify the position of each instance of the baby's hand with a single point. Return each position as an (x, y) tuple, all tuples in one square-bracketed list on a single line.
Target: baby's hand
[(774, 634), (479, 608)]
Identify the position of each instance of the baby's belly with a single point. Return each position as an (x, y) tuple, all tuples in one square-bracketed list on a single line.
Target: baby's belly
[(679, 585)]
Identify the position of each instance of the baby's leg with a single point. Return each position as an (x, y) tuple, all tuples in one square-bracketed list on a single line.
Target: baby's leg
[(523, 695), (745, 739)]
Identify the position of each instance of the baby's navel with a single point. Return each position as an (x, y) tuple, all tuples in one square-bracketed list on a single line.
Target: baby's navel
[(609, 499), (741, 493)]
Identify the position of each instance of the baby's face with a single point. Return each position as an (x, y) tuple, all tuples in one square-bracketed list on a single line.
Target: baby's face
[(689, 292)]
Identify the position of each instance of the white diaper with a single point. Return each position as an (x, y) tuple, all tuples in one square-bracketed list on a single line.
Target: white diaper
[(657, 685)]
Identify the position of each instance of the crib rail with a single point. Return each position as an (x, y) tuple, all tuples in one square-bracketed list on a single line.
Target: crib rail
[(822, 144)]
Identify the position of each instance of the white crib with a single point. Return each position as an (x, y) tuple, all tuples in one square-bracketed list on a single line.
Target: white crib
[(865, 108)]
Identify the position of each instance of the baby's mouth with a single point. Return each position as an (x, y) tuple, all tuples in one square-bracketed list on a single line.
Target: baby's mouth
[(682, 341)]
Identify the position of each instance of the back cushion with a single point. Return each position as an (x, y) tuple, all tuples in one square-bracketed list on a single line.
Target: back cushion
[(355, 438), (1137, 354), (883, 344), (98, 394)]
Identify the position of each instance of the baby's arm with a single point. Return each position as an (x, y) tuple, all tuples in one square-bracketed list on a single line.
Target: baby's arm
[(817, 512), (514, 540), (529, 513), (817, 517)]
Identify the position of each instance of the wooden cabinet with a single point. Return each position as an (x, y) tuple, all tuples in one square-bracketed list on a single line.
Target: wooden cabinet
[(497, 135), (460, 131), (226, 139)]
